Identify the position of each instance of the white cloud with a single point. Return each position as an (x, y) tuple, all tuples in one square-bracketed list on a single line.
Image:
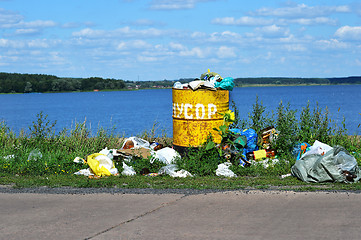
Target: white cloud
[(349, 33), (331, 44), (242, 21), (36, 24), (89, 33), (176, 46), (272, 31), (309, 21), (26, 31), (302, 11), (135, 44), (8, 18), (194, 52), (146, 59), (226, 52), (125, 32), (295, 47), (174, 4)]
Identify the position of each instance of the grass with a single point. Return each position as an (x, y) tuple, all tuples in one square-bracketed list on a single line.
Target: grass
[(53, 153), (166, 182)]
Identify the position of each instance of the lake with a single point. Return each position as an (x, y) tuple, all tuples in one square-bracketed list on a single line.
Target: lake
[(130, 113)]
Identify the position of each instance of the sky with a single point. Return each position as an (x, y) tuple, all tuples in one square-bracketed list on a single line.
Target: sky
[(161, 39)]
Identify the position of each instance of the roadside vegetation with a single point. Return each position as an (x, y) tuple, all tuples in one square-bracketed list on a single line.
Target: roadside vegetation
[(39, 156)]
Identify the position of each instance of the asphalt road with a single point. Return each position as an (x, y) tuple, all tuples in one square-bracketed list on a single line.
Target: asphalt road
[(143, 214)]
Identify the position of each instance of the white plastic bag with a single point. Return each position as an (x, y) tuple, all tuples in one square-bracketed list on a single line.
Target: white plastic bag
[(171, 170), (223, 170), (165, 155), (128, 170), (318, 148), (135, 143)]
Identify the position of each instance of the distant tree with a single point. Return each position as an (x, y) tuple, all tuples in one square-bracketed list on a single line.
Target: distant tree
[(28, 87)]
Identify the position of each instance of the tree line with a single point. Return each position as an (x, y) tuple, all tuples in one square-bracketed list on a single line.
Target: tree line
[(295, 81), (28, 83)]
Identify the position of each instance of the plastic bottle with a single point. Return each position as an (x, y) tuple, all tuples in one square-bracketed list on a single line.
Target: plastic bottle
[(259, 154)]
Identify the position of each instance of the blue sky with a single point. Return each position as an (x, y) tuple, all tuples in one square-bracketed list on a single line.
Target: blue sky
[(161, 39)]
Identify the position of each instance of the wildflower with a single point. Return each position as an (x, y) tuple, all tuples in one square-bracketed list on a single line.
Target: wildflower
[(228, 117)]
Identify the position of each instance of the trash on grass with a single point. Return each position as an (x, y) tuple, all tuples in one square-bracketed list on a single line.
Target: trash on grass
[(128, 170), (317, 148), (101, 165), (171, 170), (333, 165), (135, 143), (165, 155), (223, 170)]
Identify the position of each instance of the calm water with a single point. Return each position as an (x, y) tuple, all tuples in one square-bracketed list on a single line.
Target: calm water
[(132, 112)]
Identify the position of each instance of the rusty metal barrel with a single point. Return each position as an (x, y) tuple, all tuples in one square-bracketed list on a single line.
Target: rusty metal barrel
[(195, 114)]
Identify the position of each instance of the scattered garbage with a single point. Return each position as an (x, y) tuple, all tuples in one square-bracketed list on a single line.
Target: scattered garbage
[(171, 170), (223, 170), (135, 143), (128, 170), (268, 136), (165, 155), (317, 163), (100, 164)]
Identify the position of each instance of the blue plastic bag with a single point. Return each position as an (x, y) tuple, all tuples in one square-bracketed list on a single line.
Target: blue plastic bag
[(252, 139), (226, 84)]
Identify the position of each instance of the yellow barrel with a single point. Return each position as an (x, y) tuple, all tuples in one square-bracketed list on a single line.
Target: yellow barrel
[(195, 114)]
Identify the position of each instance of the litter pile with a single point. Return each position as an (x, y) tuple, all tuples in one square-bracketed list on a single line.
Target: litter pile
[(209, 80), (240, 147), (102, 163)]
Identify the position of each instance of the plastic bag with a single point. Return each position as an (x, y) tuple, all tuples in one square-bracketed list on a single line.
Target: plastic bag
[(345, 161), (252, 139), (165, 155), (168, 169), (100, 164), (317, 148), (226, 84), (223, 170), (171, 170), (128, 170), (135, 143), (336, 165)]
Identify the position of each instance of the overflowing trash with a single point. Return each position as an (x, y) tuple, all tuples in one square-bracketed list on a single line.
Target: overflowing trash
[(208, 80)]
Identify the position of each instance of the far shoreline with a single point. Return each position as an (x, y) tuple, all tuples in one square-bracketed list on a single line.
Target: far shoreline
[(152, 88)]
